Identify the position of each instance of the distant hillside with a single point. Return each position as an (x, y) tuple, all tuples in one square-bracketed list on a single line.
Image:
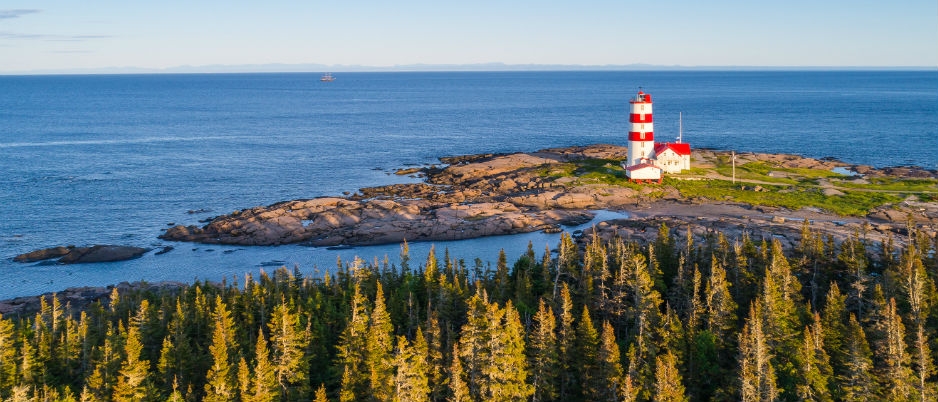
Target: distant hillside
[(314, 67)]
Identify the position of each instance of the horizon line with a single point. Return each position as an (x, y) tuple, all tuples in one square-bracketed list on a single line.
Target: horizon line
[(425, 67)]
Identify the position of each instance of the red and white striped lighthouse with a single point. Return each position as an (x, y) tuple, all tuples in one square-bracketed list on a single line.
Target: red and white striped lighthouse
[(641, 140)]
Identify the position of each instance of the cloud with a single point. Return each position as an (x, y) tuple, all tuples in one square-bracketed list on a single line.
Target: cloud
[(14, 35), (51, 38), (8, 14), (73, 38)]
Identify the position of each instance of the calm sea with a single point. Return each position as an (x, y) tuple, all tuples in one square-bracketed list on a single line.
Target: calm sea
[(115, 159)]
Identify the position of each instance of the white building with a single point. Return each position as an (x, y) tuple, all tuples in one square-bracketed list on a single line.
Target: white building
[(672, 157)]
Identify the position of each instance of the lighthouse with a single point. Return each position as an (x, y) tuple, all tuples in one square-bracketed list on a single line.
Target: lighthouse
[(639, 164)]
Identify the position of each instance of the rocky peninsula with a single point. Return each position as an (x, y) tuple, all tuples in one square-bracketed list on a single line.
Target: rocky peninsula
[(497, 194)]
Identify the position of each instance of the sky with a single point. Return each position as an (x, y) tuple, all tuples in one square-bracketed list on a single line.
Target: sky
[(66, 35)]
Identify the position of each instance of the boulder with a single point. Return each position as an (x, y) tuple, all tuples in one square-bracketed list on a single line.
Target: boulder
[(43, 254), (102, 253), (80, 255)]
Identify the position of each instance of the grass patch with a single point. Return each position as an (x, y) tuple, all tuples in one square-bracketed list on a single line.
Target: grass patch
[(894, 184), (852, 203), (557, 170), (694, 171), (753, 171), (760, 171), (800, 189), (813, 173)]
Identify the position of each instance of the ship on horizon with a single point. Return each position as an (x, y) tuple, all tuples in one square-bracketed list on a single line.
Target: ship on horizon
[(327, 77)]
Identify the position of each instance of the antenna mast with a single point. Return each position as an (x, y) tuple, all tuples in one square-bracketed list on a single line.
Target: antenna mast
[(680, 126)]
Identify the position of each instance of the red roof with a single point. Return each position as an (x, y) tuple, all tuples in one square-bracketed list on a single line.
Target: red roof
[(680, 148), (641, 166)]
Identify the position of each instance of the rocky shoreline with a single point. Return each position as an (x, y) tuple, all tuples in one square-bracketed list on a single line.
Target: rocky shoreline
[(484, 195)]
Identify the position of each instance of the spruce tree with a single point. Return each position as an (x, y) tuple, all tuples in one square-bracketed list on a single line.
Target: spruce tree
[(347, 393), (101, 381), (645, 317), (436, 375), (587, 346), (814, 368), (411, 383), (431, 277), (176, 355), (857, 379), (506, 373), (221, 384), (721, 308), (566, 348), (7, 358), (895, 371), (568, 260), (609, 361), (544, 356), (289, 340), (458, 387), (264, 387), (475, 348), (379, 346), (669, 386), (918, 292), (132, 381), (321, 394), (174, 396), (502, 288), (351, 349), (244, 381), (834, 323), (779, 319), (756, 374)]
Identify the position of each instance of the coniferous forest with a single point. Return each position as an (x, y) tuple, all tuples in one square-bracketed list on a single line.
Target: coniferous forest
[(677, 319)]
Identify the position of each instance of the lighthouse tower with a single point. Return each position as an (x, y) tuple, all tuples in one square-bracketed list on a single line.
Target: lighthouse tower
[(640, 165)]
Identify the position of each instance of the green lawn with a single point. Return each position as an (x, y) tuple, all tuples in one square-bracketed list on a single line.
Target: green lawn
[(856, 203), (893, 184), (760, 171), (798, 190)]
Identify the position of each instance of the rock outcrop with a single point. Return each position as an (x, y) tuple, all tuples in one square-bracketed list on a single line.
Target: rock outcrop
[(733, 221), (81, 255), (913, 211), (44, 254), (476, 195), (79, 298), (331, 222)]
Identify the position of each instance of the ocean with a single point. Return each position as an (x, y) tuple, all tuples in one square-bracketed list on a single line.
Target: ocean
[(115, 159)]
